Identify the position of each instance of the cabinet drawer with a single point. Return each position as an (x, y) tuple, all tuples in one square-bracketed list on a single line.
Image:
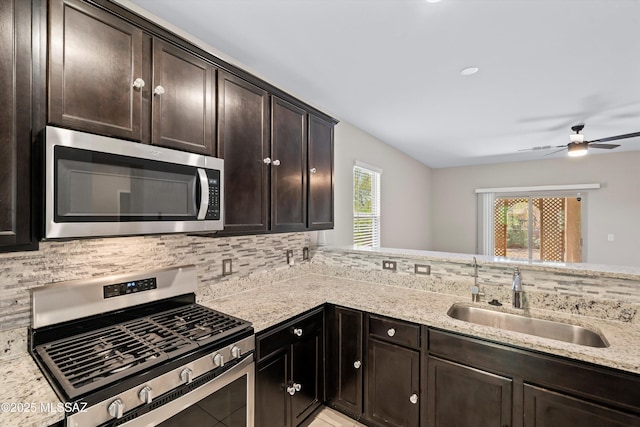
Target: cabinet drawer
[(295, 330), (394, 331)]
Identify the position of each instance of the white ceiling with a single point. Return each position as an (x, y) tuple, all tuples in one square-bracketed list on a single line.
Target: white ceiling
[(391, 67)]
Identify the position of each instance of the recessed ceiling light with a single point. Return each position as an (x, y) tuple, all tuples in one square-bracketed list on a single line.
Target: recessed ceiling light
[(468, 71), (433, 1)]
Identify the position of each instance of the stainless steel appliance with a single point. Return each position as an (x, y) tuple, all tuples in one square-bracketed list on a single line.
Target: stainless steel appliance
[(100, 186), (136, 350)]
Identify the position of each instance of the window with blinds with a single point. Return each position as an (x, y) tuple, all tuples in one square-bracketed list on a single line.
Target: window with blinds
[(366, 207)]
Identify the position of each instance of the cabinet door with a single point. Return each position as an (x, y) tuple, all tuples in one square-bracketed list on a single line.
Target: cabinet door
[(271, 397), (183, 114), (466, 397), (243, 142), (393, 376), (545, 408), (15, 125), (94, 58), (345, 360), (307, 372), (289, 167), (320, 173)]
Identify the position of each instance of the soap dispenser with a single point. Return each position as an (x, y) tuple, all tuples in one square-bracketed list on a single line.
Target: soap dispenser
[(516, 287)]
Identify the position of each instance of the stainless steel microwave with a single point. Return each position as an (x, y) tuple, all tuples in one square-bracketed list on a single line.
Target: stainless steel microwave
[(101, 186)]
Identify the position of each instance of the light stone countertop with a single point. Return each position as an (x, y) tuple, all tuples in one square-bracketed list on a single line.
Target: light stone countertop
[(22, 382), (272, 304), (27, 395)]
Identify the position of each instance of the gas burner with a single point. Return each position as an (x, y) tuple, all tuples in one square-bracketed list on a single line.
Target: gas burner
[(120, 362)]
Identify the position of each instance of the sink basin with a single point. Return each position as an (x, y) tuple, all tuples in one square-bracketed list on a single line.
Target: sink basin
[(539, 327)]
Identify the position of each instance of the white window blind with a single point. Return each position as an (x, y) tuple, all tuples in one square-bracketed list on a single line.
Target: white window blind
[(366, 207)]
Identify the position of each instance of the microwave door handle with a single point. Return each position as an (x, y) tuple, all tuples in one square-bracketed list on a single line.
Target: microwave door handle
[(204, 194)]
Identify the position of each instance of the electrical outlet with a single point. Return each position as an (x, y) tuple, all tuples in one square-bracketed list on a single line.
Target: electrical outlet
[(290, 257), (305, 254), (227, 265), (389, 265), (422, 269)]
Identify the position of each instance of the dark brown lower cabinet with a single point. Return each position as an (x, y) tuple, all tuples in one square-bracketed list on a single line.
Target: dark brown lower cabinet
[(345, 360), (546, 408), (462, 396), (290, 371), (392, 392)]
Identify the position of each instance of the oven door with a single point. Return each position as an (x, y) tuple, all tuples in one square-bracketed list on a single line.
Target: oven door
[(99, 186), (227, 400)]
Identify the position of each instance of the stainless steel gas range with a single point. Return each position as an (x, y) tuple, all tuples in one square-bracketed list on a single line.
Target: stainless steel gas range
[(136, 350)]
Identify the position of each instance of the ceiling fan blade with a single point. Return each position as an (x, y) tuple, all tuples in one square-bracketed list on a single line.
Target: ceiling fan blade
[(543, 147), (557, 151), (605, 146), (615, 138)]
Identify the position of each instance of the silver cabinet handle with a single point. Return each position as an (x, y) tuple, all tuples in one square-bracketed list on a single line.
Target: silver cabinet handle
[(291, 390), (116, 408), (186, 375), (266, 160), (297, 386), (313, 170), (146, 394), (159, 90), (297, 332), (413, 398), (204, 194), (138, 83), (391, 332), (357, 364), (276, 163)]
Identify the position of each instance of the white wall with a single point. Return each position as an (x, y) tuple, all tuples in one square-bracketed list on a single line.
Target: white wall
[(404, 191), (613, 209)]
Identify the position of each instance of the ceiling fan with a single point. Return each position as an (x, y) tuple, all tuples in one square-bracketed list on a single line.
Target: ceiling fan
[(579, 147)]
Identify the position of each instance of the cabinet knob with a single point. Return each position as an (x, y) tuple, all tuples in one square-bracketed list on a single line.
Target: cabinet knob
[(186, 375), (291, 390), (159, 90), (391, 332), (146, 394), (357, 364), (266, 160), (297, 386), (116, 408), (313, 170), (276, 163), (297, 332), (413, 398), (138, 83)]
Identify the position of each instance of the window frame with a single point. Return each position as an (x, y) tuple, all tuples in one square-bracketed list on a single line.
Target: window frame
[(375, 215)]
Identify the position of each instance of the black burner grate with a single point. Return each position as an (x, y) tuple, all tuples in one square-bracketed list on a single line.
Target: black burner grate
[(86, 362)]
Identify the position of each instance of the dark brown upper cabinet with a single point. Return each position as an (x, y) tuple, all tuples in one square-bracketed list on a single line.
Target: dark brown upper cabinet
[(183, 100), (15, 126), (95, 70), (320, 173), (108, 77), (288, 166), (243, 143)]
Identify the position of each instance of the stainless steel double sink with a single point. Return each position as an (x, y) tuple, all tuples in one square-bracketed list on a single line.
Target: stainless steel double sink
[(528, 325)]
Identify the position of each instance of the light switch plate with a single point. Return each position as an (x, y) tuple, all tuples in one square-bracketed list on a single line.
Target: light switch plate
[(389, 265), (227, 265), (422, 269), (290, 257), (305, 254)]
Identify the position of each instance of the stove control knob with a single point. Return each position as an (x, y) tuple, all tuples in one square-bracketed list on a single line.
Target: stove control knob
[(146, 394), (186, 375), (236, 352), (116, 408), (218, 360)]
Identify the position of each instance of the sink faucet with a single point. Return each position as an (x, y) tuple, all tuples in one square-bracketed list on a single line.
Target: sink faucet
[(516, 287), (475, 290)]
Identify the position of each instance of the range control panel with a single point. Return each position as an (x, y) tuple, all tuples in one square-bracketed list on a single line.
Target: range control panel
[(131, 287)]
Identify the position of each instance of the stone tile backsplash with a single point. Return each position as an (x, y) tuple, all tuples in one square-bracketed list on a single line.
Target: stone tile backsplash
[(78, 259), (595, 295)]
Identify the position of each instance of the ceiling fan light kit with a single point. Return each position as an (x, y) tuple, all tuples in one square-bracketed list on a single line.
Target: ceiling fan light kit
[(577, 149)]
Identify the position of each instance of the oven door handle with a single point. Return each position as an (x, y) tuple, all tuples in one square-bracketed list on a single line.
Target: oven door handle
[(204, 194)]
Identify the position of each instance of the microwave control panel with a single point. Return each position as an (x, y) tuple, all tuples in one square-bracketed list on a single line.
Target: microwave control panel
[(213, 212), (131, 287)]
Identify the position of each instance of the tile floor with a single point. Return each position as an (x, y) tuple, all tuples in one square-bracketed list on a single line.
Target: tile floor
[(327, 417)]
